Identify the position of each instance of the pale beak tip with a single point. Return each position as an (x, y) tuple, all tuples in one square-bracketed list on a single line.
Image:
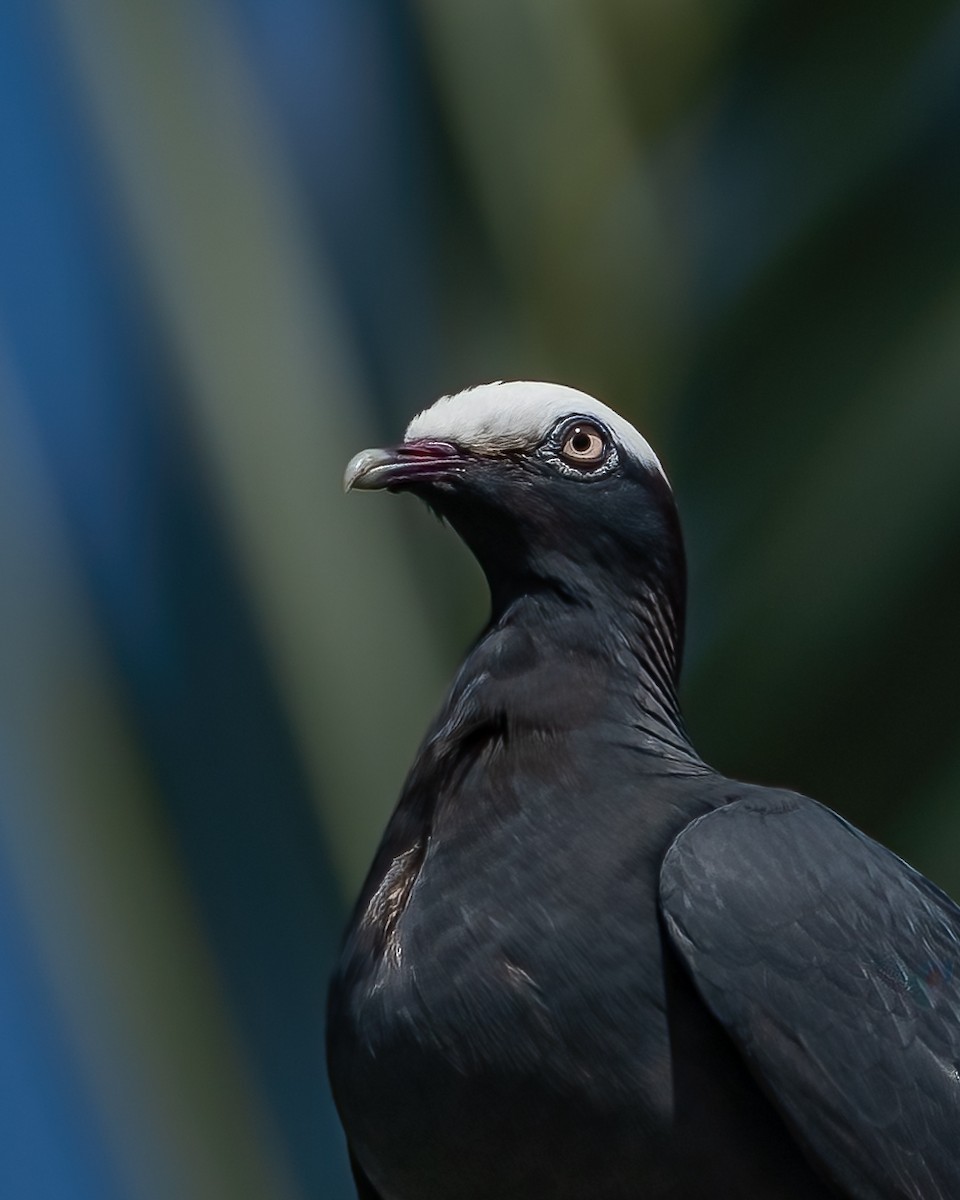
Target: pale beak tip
[(350, 474), (361, 472)]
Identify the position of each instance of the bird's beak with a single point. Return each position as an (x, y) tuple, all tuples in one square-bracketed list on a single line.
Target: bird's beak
[(403, 465)]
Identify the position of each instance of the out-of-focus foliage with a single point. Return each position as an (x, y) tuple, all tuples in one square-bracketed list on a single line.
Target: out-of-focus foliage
[(240, 239)]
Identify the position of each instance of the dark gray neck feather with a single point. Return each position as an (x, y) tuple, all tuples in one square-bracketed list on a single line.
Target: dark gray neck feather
[(550, 664)]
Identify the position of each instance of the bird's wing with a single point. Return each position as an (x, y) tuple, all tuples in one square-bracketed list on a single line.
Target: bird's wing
[(835, 968), (365, 1189)]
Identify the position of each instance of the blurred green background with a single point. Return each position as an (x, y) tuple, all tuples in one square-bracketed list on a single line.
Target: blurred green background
[(242, 239)]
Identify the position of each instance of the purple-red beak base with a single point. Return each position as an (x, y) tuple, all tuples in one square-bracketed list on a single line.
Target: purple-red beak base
[(399, 466)]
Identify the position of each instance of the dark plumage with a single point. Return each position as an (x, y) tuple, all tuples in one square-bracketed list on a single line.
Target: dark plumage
[(585, 965)]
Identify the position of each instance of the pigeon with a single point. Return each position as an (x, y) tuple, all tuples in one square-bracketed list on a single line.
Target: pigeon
[(585, 964)]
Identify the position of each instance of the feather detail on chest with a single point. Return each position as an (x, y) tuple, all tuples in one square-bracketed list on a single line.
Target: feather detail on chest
[(382, 914)]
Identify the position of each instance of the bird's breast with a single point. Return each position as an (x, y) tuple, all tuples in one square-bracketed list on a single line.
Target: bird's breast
[(504, 974)]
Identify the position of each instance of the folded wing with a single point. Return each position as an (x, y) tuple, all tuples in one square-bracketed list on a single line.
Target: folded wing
[(835, 968)]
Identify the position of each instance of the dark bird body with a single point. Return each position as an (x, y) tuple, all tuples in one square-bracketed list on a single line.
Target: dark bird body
[(586, 965)]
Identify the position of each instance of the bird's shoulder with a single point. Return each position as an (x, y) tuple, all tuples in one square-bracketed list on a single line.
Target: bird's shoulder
[(803, 860)]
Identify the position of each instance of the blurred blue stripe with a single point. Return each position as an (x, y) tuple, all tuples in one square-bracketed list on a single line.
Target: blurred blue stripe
[(171, 612), (70, 311), (50, 1146), (351, 98)]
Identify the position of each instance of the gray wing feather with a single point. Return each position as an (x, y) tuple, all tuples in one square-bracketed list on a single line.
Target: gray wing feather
[(835, 968)]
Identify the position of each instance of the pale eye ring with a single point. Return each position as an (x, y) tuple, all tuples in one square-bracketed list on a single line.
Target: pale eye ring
[(584, 445)]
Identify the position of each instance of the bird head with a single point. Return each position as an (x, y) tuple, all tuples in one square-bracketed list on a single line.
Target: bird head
[(550, 489)]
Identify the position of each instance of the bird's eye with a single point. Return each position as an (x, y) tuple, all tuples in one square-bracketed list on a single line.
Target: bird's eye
[(584, 445)]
